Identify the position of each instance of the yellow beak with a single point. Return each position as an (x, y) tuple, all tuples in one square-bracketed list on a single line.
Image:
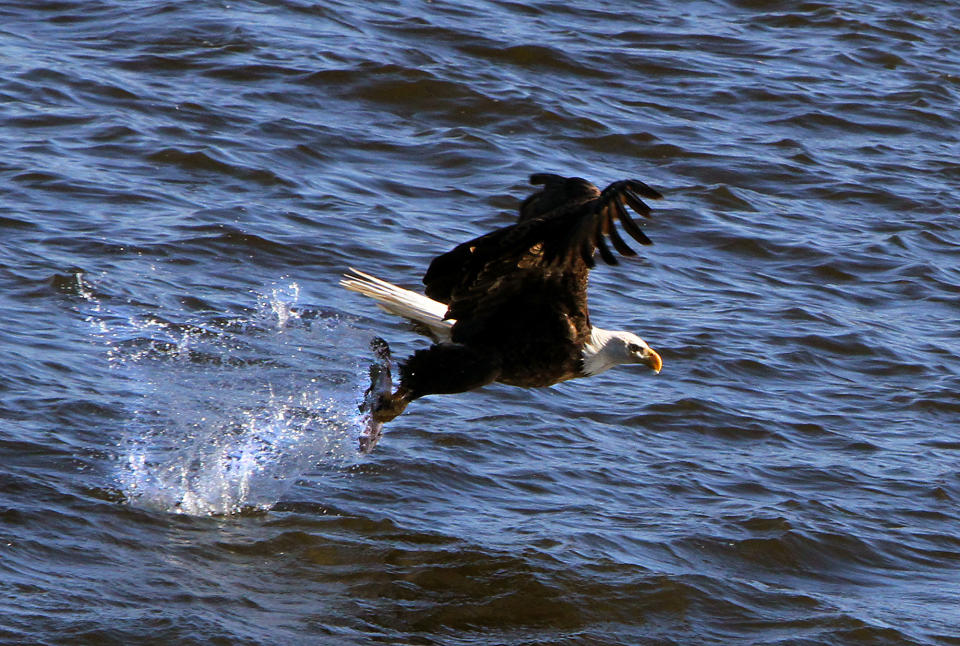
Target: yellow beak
[(654, 361)]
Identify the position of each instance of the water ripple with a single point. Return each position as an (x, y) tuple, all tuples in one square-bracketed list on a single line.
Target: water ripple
[(178, 421)]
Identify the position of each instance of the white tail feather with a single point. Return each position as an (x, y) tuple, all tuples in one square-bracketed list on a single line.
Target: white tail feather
[(400, 301)]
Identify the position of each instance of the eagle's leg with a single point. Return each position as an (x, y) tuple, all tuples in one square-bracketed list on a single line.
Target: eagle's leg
[(441, 369)]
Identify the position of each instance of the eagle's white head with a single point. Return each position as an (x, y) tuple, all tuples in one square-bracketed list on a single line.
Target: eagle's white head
[(609, 348)]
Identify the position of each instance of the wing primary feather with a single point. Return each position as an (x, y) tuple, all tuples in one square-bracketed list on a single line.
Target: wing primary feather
[(637, 186), (618, 243), (544, 178), (636, 204), (586, 252), (608, 257), (630, 226)]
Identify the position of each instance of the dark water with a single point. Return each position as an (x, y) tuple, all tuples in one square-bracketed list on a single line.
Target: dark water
[(183, 183)]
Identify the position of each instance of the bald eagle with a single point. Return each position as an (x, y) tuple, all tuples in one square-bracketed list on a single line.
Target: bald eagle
[(511, 305)]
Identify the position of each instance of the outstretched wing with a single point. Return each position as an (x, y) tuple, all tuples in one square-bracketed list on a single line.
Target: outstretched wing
[(560, 229)]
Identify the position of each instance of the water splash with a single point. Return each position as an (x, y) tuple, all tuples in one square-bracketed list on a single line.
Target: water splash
[(233, 410), (244, 459)]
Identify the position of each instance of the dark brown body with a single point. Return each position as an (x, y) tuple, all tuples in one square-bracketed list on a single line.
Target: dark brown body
[(538, 333)]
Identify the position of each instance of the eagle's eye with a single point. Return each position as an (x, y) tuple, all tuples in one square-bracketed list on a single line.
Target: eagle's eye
[(634, 348)]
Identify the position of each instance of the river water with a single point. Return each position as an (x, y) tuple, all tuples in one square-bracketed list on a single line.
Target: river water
[(184, 182)]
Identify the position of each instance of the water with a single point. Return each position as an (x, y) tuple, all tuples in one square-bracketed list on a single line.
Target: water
[(183, 183), (233, 412)]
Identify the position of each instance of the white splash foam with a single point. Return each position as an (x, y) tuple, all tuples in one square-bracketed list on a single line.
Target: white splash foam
[(234, 461), (233, 412)]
